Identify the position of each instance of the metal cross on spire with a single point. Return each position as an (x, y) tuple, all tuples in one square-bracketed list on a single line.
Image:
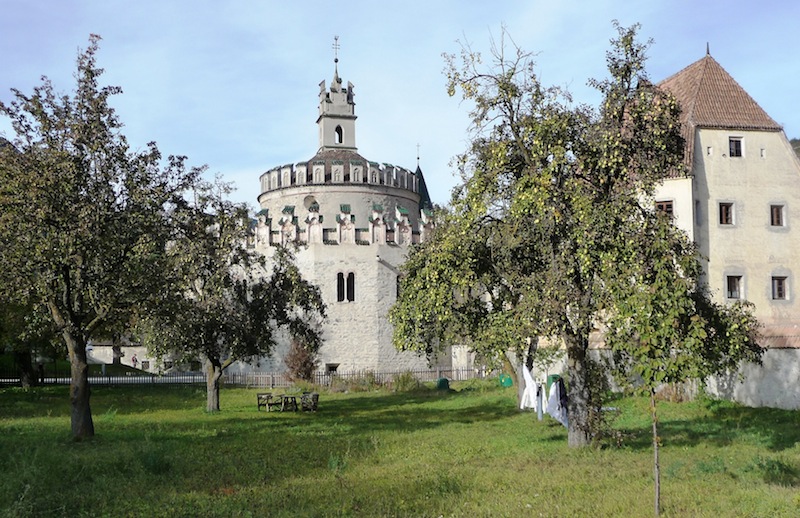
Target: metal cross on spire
[(335, 48)]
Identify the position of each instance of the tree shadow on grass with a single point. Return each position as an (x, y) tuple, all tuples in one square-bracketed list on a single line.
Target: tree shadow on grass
[(406, 411), (727, 423)]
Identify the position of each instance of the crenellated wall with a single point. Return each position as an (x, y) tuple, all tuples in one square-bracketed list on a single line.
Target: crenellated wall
[(305, 226), (317, 172)]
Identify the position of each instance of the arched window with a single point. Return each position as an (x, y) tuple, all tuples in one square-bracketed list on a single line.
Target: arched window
[(340, 287), (345, 289), (351, 287), (339, 137)]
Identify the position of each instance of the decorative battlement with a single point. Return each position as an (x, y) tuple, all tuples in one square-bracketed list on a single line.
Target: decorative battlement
[(322, 170), (381, 230)]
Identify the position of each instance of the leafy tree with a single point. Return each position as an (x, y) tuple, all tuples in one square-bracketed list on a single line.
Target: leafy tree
[(226, 301), (664, 327), (548, 194), (83, 219)]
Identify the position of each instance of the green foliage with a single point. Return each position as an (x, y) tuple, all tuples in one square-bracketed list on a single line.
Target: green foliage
[(84, 220), (550, 193), (664, 327), (225, 301)]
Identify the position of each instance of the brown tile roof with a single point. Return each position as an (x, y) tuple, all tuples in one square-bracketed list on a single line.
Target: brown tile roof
[(711, 98)]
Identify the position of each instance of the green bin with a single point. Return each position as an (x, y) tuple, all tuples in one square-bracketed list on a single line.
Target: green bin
[(552, 379), (443, 384)]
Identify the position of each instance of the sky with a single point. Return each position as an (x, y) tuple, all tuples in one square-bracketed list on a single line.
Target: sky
[(234, 84)]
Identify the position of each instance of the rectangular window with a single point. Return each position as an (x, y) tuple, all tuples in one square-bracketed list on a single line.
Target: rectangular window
[(778, 288), (776, 215), (734, 287), (735, 145), (726, 213), (665, 207)]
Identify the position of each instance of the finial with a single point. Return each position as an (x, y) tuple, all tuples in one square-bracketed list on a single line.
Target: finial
[(708, 51), (335, 47), (336, 80), (417, 154)]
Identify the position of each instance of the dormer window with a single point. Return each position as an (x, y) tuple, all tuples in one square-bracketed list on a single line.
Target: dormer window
[(339, 136)]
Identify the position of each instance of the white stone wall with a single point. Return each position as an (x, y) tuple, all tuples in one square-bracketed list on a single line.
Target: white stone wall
[(776, 383), (357, 335), (135, 356)]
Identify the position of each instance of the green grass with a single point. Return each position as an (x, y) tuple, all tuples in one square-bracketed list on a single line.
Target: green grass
[(466, 452)]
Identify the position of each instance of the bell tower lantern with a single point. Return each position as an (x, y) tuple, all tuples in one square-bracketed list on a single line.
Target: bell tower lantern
[(337, 119)]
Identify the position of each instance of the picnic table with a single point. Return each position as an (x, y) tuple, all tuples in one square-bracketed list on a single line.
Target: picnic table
[(281, 402)]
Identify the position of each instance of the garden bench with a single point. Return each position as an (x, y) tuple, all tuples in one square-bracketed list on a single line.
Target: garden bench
[(309, 401)]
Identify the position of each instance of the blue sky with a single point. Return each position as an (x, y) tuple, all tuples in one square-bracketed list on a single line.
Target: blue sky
[(234, 84)]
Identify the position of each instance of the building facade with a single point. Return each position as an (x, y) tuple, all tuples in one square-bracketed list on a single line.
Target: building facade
[(353, 221), (741, 204)]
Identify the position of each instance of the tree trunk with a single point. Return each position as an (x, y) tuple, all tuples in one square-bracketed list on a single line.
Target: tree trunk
[(578, 392), (656, 468), (513, 366), (213, 375), (24, 361), (81, 412)]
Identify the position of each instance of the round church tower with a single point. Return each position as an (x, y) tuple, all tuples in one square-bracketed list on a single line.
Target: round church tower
[(353, 220)]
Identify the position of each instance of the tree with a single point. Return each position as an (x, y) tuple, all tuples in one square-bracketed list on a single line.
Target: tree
[(226, 301), (83, 219), (664, 327), (547, 196)]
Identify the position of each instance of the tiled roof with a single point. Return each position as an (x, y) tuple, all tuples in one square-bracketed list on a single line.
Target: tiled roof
[(711, 98)]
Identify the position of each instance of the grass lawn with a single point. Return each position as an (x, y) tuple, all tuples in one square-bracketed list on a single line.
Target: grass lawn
[(467, 452)]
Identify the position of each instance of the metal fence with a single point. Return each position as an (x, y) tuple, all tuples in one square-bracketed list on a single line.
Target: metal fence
[(262, 379)]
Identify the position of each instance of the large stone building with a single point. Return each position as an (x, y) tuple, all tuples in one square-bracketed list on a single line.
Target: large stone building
[(353, 221), (741, 205)]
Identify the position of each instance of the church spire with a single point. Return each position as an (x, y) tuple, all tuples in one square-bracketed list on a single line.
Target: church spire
[(336, 111)]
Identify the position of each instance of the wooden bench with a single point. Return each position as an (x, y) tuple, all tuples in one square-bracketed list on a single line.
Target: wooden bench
[(309, 401)]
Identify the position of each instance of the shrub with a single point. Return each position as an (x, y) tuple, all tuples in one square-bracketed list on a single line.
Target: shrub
[(405, 382), (300, 362)]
